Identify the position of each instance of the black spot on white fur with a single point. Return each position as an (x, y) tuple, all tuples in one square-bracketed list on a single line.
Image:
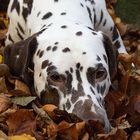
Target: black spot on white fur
[(98, 58), (27, 11), (44, 64), (10, 38), (48, 48), (20, 28), (79, 33), (56, 43), (41, 54), (115, 34), (64, 26), (66, 50), (15, 6), (54, 48), (89, 12), (63, 13), (84, 53), (38, 14), (91, 76), (47, 15), (19, 35)]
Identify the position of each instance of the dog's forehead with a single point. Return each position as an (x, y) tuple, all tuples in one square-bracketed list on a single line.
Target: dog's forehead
[(67, 45), (66, 59)]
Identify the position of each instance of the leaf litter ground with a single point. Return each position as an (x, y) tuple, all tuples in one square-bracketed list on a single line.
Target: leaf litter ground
[(22, 117)]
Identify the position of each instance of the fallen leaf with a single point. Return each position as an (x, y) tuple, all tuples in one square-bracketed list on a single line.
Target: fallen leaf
[(22, 87), (4, 115), (94, 127), (4, 102), (3, 87), (135, 135), (115, 104), (123, 85), (133, 87), (23, 101), (4, 69), (51, 130), (3, 136), (1, 59), (133, 115), (125, 58), (70, 133), (22, 121), (115, 134), (21, 137), (86, 137), (49, 108)]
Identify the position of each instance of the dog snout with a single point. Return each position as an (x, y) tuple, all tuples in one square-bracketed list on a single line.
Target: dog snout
[(89, 111), (99, 117)]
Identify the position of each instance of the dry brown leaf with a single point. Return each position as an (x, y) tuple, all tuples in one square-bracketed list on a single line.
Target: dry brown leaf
[(80, 126), (125, 58), (22, 121), (94, 127), (22, 87), (70, 133), (2, 34), (137, 57), (115, 134), (115, 104), (133, 116), (52, 130), (123, 85), (133, 87), (3, 136), (4, 115), (3, 87), (4, 70), (63, 125), (86, 137), (4, 103), (135, 136)]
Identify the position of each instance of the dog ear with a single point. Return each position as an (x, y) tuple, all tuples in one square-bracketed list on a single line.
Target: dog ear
[(112, 55), (19, 57)]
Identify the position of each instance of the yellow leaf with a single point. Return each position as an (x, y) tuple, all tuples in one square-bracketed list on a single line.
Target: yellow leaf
[(21, 137), (1, 59)]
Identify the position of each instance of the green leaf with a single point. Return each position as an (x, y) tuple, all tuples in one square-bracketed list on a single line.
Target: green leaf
[(23, 101)]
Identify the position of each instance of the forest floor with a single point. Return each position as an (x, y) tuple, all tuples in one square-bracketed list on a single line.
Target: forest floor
[(22, 117)]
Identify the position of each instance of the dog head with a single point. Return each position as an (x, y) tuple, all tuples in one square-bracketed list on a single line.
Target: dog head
[(72, 68)]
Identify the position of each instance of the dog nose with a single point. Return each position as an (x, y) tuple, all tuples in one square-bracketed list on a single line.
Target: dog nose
[(89, 111), (101, 118)]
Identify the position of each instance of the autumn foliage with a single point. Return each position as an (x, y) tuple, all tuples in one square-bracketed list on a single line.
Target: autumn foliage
[(22, 117)]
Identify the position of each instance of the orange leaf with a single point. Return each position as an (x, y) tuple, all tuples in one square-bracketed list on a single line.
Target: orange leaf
[(135, 135), (49, 108)]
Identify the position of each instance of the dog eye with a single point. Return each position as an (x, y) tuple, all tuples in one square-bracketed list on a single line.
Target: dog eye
[(100, 74), (55, 77)]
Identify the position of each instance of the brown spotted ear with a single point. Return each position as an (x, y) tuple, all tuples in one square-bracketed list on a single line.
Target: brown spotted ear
[(111, 54), (19, 57)]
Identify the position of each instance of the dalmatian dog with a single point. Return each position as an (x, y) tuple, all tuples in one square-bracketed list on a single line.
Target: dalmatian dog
[(70, 45)]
